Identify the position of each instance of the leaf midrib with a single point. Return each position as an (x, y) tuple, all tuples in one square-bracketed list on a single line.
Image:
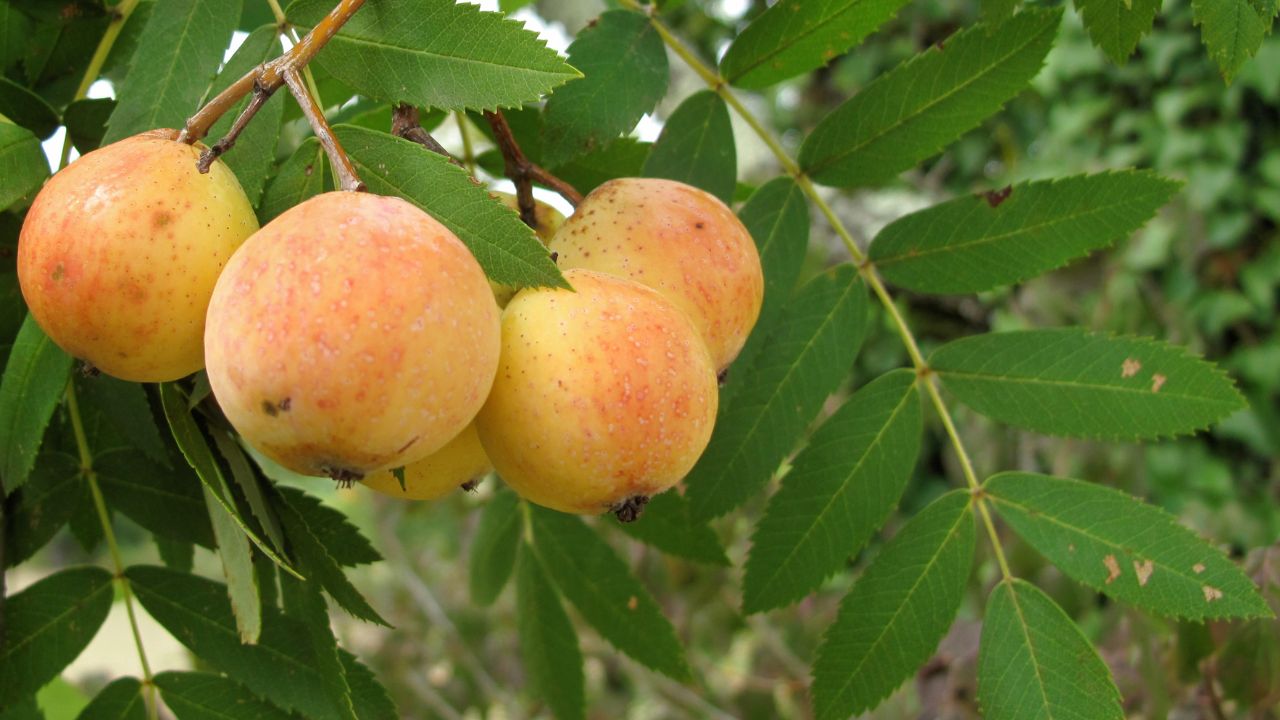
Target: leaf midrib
[(12, 648), (795, 40), (1031, 650), (354, 40), (988, 377)]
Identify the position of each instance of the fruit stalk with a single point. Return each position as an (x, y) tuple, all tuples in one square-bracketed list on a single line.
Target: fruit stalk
[(524, 173), (404, 124), (347, 177), (270, 76)]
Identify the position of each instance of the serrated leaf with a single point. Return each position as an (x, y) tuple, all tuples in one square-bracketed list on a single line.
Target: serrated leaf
[(370, 698), (314, 559), (237, 566), (125, 408), (167, 502), (493, 550), (303, 601), (47, 625), (344, 541), (666, 525), (86, 122), (255, 149), (548, 641), (27, 109), (998, 10), (300, 177), (179, 555), (1123, 547), (777, 216), (796, 36), (192, 443), (251, 485), (840, 490), (1081, 384), (898, 610), (977, 243), (437, 53), (505, 247), (178, 53), (1116, 26), (592, 576), (1035, 664), (205, 696), (696, 147), (23, 166), (121, 700), (34, 514), (1232, 30), (34, 380), (919, 107), (624, 67), (197, 613), (804, 359)]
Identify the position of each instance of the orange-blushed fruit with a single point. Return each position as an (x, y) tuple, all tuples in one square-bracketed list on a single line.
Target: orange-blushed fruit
[(679, 240), (605, 395), (459, 462), (121, 249), (353, 333)]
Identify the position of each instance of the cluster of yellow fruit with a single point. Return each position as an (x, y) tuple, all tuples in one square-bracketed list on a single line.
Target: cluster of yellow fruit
[(354, 333)]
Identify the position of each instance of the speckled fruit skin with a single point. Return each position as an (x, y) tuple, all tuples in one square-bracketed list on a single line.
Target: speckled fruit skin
[(438, 474), (602, 394), (353, 333), (678, 240), (121, 249)]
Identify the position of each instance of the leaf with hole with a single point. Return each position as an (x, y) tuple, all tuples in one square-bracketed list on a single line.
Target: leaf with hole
[(1079, 384)]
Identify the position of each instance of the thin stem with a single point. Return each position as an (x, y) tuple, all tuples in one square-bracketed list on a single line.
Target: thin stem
[(119, 14), (865, 267), (227, 141), (273, 75), (104, 517), (405, 124), (523, 172), (468, 153), (347, 177)]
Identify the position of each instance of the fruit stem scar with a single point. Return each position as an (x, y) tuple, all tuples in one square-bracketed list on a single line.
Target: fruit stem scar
[(345, 477), (629, 510)]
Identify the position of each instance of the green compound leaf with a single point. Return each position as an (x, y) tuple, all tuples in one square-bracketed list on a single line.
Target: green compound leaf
[(196, 611), (777, 216), (304, 602), (1232, 30), (121, 700), (666, 525), (34, 381), (436, 53), (624, 67), (623, 157), (178, 53), (493, 551), (23, 166), (255, 149), (796, 36), (237, 564), (1035, 664), (696, 147), (548, 641), (998, 10), (86, 121), (34, 514), (897, 612), (977, 243), (1116, 26), (205, 696), (27, 109), (804, 360), (592, 576), (505, 247), (1076, 383), (48, 625), (1123, 547), (916, 109), (342, 540), (299, 178), (840, 490)]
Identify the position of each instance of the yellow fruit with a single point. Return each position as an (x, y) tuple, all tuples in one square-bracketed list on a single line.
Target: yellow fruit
[(678, 240), (459, 462), (353, 333), (120, 251), (603, 395)]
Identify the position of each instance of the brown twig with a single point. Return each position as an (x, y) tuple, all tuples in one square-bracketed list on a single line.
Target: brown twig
[(524, 173), (347, 177), (269, 77), (259, 99), (405, 124)]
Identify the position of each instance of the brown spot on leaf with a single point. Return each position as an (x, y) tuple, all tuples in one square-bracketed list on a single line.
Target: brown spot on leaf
[(1143, 571), (1113, 568), (1198, 568), (633, 603), (1157, 382), (1130, 367), (995, 197), (1212, 593)]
